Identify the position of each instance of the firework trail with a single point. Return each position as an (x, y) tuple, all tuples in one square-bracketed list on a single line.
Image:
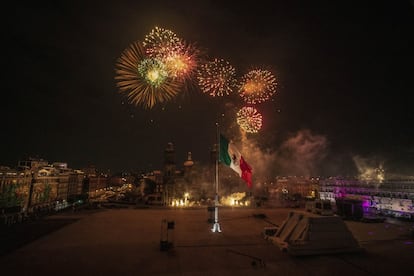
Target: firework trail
[(249, 119), (144, 80), (257, 86), (217, 78)]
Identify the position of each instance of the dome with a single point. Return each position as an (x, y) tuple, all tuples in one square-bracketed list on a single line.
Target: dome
[(189, 162)]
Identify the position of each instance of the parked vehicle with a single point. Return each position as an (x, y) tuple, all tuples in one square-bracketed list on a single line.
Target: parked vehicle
[(354, 209)]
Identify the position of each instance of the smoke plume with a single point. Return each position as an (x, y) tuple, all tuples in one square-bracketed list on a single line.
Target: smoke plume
[(369, 169), (299, 155), (302, 153)]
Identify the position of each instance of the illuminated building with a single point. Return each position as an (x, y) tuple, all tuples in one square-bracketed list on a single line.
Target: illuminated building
[(37, 187), (14, 189), (391, 197)]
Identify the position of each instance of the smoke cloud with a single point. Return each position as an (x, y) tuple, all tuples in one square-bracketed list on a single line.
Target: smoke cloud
[(369, 169), (300, 154)]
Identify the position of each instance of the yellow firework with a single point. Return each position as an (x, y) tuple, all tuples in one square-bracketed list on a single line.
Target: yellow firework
[(162, 42), (257, 86), (144, 80), (217, 78), (249, 119)]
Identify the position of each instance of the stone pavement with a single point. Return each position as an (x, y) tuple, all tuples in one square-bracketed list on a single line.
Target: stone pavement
[(127, 242)]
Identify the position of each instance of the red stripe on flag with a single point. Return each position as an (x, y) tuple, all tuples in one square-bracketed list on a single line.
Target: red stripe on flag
[(246, 172)]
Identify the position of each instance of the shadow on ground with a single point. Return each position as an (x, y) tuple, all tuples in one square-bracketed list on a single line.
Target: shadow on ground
[(15, 236)]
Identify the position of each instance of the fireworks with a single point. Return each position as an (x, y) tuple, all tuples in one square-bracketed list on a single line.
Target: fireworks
[(157, 69), (154, 71), (179, 57), (257, 86), (144, 80), (161, 43), (182, 64), (249, 119), (217, 78)]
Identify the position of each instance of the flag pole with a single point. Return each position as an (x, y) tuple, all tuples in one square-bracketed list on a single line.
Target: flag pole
[(216, 225)]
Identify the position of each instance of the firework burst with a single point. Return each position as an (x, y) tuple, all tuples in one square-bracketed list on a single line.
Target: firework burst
[(153, 71), (257, 86), (249, 119), (217, 78), (160, 43), (144, 80), (182, 64), (181, 58)]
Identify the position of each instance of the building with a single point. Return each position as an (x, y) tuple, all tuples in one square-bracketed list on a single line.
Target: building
[(390, 196), (14, 189)]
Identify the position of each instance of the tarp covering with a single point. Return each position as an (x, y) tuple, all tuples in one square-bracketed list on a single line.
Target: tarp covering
[(304, 234)]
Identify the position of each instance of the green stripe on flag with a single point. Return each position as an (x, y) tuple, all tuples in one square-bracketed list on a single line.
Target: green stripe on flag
[(224, 153)]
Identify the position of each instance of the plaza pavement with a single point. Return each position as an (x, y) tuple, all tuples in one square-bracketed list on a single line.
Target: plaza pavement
[(127, 242)]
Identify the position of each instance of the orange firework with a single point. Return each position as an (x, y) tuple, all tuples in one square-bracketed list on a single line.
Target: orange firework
[(249, 119), (257, 86), (182, 63), (144, 80), (180, 58), (217, 78)]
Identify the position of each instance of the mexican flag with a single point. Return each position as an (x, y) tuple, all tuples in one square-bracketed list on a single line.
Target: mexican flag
[(230, 156)]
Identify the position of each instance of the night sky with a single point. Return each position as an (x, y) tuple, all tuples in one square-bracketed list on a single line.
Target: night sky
[(344, 71)]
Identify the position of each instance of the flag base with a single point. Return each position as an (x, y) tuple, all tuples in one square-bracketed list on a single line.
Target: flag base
[(216, 227)]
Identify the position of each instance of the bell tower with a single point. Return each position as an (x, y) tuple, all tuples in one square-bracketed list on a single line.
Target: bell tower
[(188, 165), (169, 162)]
